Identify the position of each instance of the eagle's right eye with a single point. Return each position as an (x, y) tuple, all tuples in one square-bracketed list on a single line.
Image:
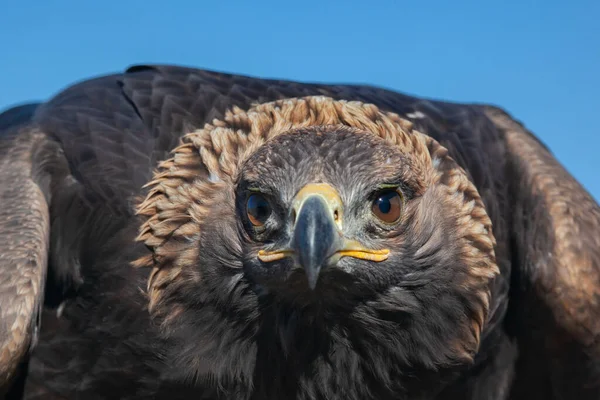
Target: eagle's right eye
[(258, 209)]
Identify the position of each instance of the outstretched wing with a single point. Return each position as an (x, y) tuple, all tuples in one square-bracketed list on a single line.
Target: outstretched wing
[(556, 250), (26, 160)]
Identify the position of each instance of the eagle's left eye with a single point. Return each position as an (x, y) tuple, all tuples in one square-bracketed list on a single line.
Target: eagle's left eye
[(258, 210), (387, 206)]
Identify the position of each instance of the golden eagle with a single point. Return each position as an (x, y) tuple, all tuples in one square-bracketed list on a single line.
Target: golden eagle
[(175, 233)]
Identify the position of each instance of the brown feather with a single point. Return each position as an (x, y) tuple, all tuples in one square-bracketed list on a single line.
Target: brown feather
[(221, 148), (25, 229)]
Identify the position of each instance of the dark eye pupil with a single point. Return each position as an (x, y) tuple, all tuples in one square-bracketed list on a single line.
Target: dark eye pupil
[(258, 210), (384, 203), (261, 210)]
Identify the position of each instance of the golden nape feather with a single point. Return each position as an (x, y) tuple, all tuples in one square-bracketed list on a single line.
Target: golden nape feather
[(209, 160)]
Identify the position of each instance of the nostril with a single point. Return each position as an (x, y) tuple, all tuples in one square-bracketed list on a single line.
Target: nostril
[(293, 216), (336, 215)]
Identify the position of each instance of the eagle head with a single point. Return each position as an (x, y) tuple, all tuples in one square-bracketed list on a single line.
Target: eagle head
[(328, 230)]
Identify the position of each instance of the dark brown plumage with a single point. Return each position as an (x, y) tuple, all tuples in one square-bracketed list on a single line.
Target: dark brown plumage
[(486, 285)]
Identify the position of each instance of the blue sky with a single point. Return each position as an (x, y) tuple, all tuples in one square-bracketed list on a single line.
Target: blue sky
[(538, 59)]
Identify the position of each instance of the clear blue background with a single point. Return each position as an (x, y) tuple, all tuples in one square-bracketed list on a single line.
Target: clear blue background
[(538, 59)]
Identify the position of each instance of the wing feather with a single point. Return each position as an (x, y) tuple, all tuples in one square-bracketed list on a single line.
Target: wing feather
[(556, 248), (26, 156)]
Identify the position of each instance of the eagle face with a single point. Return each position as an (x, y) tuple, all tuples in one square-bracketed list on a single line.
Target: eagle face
[(326, 215), (325, 229)]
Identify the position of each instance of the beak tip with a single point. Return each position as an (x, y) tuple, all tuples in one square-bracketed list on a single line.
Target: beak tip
[(312, 277)]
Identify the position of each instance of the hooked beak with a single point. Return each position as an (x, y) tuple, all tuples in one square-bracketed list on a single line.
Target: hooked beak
[(317, 239)]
